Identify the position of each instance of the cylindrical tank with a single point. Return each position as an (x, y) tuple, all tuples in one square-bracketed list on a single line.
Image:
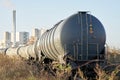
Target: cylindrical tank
[(12, 51), (28, 51), (3, 51), (81, 35)]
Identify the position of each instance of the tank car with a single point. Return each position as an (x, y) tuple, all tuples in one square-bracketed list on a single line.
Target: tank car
[(77, 39), (81, 36), (3, 50)]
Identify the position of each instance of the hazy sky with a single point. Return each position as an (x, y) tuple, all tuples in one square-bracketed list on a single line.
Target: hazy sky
[(46, 13)]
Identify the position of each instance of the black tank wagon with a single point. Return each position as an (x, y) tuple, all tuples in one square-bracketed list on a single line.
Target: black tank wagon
[(81, 36)]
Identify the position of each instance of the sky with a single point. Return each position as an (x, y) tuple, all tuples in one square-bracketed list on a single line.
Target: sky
[(45, 13)]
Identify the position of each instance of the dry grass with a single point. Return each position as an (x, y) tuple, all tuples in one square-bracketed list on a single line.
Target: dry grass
[(110, 71), (113, 55), (17, 69), (13, 68), (107, 75)]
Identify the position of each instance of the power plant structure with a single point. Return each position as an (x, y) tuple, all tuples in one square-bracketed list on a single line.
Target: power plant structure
[(14, 28)]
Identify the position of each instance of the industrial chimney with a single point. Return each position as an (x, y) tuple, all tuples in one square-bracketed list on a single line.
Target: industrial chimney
[(14, 28)]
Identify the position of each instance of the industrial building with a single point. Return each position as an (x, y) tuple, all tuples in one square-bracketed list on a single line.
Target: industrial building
[(22, 37), (14, 39), (6, 41), (36, 33)]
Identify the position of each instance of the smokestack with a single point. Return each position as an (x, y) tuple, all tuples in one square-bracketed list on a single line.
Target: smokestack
[(14, 28)]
